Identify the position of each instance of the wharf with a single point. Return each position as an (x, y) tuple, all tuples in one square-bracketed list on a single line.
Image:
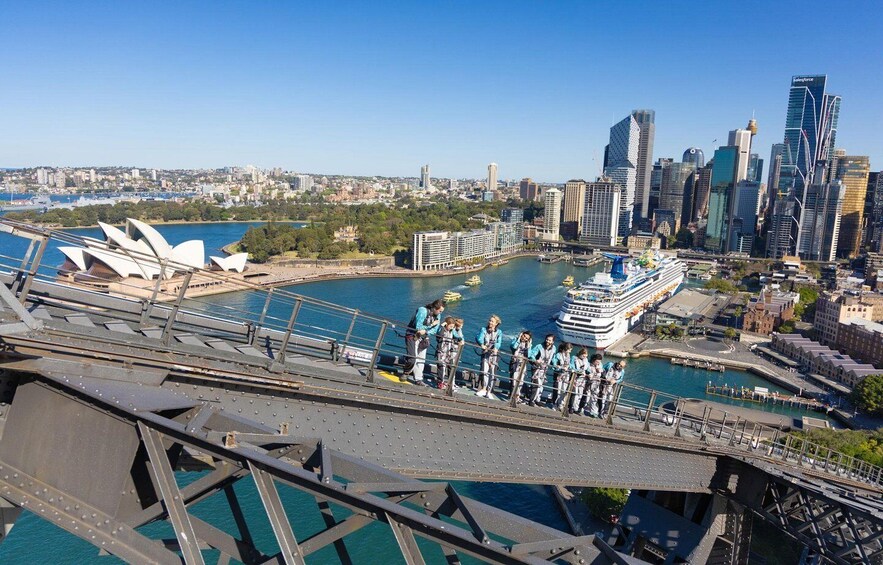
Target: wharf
[(707, 365), (760, 397)]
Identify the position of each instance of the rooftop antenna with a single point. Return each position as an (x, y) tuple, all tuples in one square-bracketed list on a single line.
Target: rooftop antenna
[(597, 164)]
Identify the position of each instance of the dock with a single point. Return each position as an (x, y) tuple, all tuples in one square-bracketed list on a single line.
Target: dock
[(762, 396), (707, 365)]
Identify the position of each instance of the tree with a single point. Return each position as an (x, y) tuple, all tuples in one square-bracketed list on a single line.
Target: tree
[(868, 394), (605, 502), (730, 333), (721, 285)]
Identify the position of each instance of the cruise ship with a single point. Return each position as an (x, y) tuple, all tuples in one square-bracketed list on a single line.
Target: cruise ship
[(603, 309)]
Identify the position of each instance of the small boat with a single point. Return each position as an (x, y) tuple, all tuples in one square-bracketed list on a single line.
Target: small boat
[(451, 296), (474, 280), (568, 280), (500, 262)]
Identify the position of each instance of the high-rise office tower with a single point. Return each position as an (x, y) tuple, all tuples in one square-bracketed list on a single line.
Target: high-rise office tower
[(810, 132), (492, 177), (694, 155), (552, 214), (755, 168), (875, 222), (601, 213), (821, 219), (852, 172), (671, 194), (656, 181), (744, 216), (424, 177), (574, 202), (772, 183), (741, 138), (622, 159), (528, 189), (723, 180), (646, 120), (702, 192)]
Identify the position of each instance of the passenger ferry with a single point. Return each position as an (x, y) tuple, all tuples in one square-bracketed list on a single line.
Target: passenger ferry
[(451, 296), (568, 280), (600, 311), (474, 280)]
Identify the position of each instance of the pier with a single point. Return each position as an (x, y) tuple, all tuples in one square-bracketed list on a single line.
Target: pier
[(707, 365), (762, 396)]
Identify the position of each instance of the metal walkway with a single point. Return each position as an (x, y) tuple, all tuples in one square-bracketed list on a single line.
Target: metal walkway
[(322, 383)]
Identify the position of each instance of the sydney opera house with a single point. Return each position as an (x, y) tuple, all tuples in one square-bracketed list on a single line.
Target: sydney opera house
[(132, 260)]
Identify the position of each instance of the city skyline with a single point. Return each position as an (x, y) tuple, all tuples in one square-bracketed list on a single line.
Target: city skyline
[(355, 92)]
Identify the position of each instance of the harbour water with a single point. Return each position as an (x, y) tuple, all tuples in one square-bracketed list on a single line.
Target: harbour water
[(524, 293)]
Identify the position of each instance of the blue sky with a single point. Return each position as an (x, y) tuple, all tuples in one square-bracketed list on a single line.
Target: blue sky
[(381, 88)]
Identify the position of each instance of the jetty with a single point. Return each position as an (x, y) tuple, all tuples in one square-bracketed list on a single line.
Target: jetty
[(696, 364), (761, 395)]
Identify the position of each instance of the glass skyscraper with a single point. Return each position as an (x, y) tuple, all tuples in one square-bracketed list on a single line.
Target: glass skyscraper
[(723, 179), (810, 132)]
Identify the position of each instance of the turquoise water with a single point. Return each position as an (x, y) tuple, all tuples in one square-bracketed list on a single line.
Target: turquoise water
[(524, 293)]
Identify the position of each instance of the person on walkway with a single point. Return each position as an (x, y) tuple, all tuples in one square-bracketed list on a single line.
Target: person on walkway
[(444, 351), (579, 367), (489, 339), (540, 359), (424, 324), (593, 382), (519, 348), (561, 372), (613, 374)]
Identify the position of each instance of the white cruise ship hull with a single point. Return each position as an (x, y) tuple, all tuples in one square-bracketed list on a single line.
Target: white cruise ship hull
[(599, 324)]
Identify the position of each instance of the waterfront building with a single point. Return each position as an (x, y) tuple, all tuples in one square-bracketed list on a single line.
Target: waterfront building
[(621, 167), (852, 171), (442, 250), (574, 202), (821, 360), (512, 215), (646, 120), (723, 180), (690, 307), (601, 213), (861, 339), (492, 177), (821, 219), (552, 214), (833, 308), (643, 241), (767, 311), (424, 177), (694, 155), (676, 189), (529, 190)]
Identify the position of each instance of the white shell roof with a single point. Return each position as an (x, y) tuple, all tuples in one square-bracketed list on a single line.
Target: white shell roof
[(232, 263)]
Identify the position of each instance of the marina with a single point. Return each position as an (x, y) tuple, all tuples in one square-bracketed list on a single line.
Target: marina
[(762, 395)]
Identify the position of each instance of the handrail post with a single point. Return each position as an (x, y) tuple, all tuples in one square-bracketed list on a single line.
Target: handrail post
[(260, 322), (611, 410), (377, 345), (284, 345), (735, 429), (679, 412), (517, 382), (773, 442), (565, 406), (173, 314), (649, 411), (706, 414), (335, 355), (147, 307), (720, 431), (449, 386), (32, 271)]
